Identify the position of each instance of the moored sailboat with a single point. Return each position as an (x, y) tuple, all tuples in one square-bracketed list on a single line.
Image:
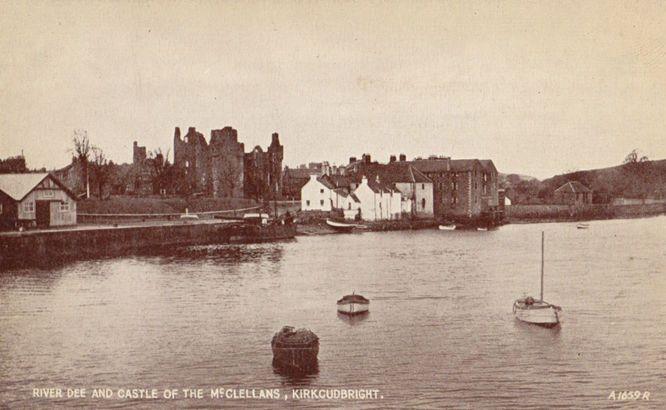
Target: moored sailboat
[(537, 312)]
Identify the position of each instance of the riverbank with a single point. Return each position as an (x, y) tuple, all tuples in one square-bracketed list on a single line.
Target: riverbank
[(319, 227), (517, 214)]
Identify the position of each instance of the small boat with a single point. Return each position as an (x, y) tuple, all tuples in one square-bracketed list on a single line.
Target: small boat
[(353, 304), (341, 226), (537, 312), (582, 226), (478, 228), (447, 227)]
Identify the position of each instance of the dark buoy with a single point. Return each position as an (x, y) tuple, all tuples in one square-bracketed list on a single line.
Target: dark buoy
[(295, 350)]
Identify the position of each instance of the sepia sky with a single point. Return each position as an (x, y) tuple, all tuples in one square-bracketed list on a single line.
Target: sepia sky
[(539, 87)]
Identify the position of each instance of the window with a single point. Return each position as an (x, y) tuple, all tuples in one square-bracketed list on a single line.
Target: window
[(321, 191), (422, 186), (48, 193), (307, 202), (64, 206), (423, 203), (321, 202), (29, 207)]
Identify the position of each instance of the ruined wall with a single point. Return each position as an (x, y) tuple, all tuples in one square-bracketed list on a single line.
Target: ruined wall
[(192, 162), (222, 169), (226, 163)]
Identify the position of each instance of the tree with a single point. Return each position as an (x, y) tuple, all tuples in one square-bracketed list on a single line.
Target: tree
[(633, 158), (82, 150), (161, 171), (101, 169)]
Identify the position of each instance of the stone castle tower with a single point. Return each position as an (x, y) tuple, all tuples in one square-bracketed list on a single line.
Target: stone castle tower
[(221, 168)]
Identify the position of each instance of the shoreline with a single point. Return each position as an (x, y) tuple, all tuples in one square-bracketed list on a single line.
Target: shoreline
[(317, 229)]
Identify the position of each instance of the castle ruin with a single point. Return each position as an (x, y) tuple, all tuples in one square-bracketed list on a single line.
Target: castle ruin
[(222, 169)]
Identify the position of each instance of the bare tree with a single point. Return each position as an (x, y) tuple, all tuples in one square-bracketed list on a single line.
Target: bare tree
[(82, 150), (101, 169), (633, 157)]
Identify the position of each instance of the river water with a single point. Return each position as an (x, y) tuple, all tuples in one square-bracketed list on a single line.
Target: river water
[(440, 330)]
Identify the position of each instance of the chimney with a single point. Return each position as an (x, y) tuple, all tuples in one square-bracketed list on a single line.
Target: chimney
[(366, 158), (403, 158), (352, 160), (176, 133), (191, 130), (275, 139), (392, 158)]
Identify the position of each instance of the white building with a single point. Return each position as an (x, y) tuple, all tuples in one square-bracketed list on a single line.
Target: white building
[(416, 188), (378, 200), (319, 194)]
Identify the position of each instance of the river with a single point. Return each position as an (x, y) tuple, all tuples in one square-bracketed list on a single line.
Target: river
[(440, 331)]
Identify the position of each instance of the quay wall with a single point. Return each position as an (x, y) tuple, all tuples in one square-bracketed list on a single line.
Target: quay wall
[(56, 246)]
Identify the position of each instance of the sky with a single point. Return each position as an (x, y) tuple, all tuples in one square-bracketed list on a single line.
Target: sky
[(539, 87)]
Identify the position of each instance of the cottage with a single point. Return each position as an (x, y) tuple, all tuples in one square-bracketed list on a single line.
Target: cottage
[(573, 193), (35, 200), (378, 200), (321, 194)]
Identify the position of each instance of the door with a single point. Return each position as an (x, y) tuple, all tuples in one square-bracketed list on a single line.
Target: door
[(43, 213)]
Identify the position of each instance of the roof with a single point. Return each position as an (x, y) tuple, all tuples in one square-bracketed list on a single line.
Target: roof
[(324, 180), (354, 197), (397, 172), (302, 173), (488, 164), (17, 186), (432, 165), (573, 187), (458, 165)]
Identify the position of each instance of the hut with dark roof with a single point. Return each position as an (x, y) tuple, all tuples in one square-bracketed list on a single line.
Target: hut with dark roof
[(573, 193)]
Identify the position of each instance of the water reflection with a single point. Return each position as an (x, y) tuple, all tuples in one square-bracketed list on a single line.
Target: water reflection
[(295, 377), (223, 254), (354, 320)]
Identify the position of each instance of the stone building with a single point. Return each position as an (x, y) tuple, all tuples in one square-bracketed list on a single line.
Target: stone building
[(221, 168), (462, 187), (573, 193), (139, 179)]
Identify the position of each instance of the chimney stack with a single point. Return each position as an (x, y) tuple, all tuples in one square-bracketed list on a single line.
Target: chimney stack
[(352, 160), (403, 157), (392, 158)]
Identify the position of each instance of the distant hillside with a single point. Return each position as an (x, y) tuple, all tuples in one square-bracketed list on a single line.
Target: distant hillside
[(509, 180), (633, 180)]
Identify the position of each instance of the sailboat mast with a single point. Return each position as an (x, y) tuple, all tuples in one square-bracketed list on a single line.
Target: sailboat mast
[(542, 241)]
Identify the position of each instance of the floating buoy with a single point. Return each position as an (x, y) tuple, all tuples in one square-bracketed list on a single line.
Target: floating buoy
[(295, 350)]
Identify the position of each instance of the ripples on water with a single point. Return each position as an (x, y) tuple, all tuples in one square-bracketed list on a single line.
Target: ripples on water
[(440, 329)]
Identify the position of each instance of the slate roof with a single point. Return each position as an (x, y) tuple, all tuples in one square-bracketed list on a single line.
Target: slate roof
[(488, 164), (17, 186), (458, 165), (573, 187), (431, 165)]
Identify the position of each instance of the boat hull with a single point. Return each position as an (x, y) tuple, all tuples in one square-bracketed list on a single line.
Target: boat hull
[(447, 227), (353, 308), (543, 315)]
